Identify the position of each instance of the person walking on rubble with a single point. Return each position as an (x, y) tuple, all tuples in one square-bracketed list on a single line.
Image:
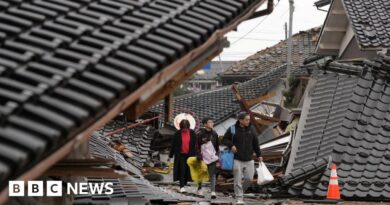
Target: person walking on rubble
[(207, 135), (183, 147), (242, 140)]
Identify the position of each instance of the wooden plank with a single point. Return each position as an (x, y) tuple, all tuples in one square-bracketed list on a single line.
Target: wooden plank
[(168, 108), (260, 99), (86, 162), (263, 122)]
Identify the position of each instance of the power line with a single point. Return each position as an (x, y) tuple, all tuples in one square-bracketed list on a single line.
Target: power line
[(258, 24)]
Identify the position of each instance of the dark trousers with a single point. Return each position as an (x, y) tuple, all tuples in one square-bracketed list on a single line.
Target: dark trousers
[(212, 176), (184, 170)]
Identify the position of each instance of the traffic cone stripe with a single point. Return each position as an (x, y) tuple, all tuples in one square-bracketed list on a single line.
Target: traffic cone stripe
[(333, 188), (334, 182), (333, 172)]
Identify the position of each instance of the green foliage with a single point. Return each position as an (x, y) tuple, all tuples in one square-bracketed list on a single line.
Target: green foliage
[(293, 82), (288, 94)]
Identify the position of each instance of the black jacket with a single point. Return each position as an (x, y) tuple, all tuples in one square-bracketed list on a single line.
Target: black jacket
[(245, 141), (176, 151), (176, 144), (203, 137)]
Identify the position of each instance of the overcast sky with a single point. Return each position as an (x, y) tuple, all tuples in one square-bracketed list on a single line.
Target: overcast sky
[(259, 33)]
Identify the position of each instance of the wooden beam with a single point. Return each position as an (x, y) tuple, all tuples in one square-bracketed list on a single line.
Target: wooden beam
[(265, 117), (86, 162), (168, 108), (328, 46), (338, 12), (263, 122), (244, 105), (335, 29), (137, 109), (349, 35), (260, 99)]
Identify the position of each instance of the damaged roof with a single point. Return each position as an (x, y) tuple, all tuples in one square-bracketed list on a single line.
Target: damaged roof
[(137, 140), (132, 190), (221, 103), (370, 21), (304, 44), (67, 67), (321, 117), (359, 145)]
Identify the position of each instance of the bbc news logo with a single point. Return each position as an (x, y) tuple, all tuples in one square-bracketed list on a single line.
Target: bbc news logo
[(54, 188)]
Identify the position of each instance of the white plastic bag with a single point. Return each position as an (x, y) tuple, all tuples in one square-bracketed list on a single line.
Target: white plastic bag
[(208, 153), (263, 174)]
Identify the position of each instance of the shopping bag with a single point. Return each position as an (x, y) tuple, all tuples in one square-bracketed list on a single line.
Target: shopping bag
[(263, 174), (226, 159), (208, 153), (198, 170)]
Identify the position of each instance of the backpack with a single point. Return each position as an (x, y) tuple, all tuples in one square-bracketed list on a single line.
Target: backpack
[(227, 156)]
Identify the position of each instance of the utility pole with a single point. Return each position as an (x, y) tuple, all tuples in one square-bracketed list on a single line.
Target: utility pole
[(285, 31), (220, 63), (289, 49)]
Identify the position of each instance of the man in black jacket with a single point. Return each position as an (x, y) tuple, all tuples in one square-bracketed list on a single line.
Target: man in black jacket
[(243, 142), (205, 135)]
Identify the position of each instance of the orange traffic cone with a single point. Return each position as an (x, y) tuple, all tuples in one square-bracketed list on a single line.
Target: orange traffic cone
[(333, 188)]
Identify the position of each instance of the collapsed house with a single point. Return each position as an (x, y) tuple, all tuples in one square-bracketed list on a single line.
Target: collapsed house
[(68, 67), (221, 104), (345, 122), (345, 116)]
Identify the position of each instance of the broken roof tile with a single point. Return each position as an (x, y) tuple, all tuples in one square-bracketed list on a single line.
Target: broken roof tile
[(372, 30)]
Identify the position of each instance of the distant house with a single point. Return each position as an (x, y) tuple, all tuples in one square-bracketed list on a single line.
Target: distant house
[(207, 78), (304, 44)]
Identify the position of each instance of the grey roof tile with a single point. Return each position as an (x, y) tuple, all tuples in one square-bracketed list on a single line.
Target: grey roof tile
[(361, 144), (370, 22), (137, 140), (133, 190), (220, 103), (321, 124), (65, 64)]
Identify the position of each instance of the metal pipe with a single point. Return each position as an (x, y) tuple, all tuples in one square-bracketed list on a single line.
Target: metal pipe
[(268, 10)]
